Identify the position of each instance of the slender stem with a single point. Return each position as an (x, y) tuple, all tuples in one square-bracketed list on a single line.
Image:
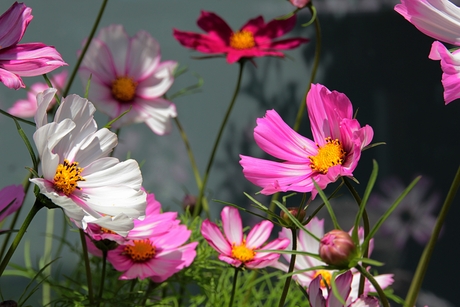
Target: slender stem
[(302, 106), (193, 164), (46, 289), (235, 279), (89, 279), (216, 143), (33, 211), (104, 266), (85, 48), (382, 296), (425, 258), (290, 270)]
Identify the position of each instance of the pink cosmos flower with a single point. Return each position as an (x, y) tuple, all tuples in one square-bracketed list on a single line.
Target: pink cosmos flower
[(343, 283), (28, 107), (254, 39), (11, 198), (335, 151), (127, 73), (22, 60), (157, 257), (237, 249)]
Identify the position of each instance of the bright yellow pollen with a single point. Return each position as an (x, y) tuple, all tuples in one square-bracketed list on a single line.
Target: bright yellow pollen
[(66, 177), (124, 89), (329, 154), (242, 252), (242, 40), (326, 277), (141, 251)]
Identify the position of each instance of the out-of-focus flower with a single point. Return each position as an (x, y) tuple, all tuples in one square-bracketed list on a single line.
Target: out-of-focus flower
[(335, 151), (254, 39), (127, 73), (298, 214), (307, 243), (157, 257), (237, 249), (337, 248), (413, 217), (299, 3), (77, 173), (22, 60), (11, 198), (439, 19), (28, 107), (344, 285)]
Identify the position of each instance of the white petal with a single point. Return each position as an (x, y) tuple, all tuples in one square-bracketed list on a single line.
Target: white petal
[(43, 100)]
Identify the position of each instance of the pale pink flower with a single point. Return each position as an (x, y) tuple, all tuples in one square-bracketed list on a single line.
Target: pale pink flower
[(11, 198), (127, 73), (157, 257), (28, 107), (22, 60), (439, 19), (78, 175), (238, 250), (335, 151)]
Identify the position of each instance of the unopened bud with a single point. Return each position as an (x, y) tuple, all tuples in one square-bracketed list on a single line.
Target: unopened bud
[(299, 3), (337, 248), (189, 203), (298, 214)]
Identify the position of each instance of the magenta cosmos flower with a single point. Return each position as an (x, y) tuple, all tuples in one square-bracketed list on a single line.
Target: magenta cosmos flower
[(127, 73), (22, 60), (237, 249), (335, 151), (254, 39)]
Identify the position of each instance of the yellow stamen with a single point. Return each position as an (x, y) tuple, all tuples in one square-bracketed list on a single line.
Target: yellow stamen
[(242, 40), (242, 252), (124, 89), (141, 251), (66, 177), (326, 277), (329, 154)]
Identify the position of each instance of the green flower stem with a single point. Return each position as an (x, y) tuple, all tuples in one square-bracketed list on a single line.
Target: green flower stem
[(89, 278), (290, 270), (49, 229), (104, 266), (195, 170), (302, 106), (365, 224), (235, 279), (382, 296), (85, 48), (33, 211), (216, 143), (426, 255)]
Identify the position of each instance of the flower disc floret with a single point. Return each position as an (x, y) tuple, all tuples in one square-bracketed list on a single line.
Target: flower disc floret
[(326, 277), (124, 89), (243, 39), (140, 250), (67, 177), (242, 252), (329, 154)]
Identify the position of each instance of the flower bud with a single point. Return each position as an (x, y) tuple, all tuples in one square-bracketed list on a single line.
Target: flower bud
[(299, 215), (299, 3), (337, 248)]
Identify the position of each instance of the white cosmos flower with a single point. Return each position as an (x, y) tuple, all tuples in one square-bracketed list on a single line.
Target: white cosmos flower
[(78, 175)]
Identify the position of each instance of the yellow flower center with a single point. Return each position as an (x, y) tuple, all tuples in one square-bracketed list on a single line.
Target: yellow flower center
[(326, 277), (242, 252), (140, 251), (329, 154), (124, 89), (66, 177), (242, 40)]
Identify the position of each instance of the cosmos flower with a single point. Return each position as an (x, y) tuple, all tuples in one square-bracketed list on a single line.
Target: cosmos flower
[(22, 60), (127, 73), (11, 198), (237, 249), (254, 39), (28, 107), (335, 151), (78, 175)]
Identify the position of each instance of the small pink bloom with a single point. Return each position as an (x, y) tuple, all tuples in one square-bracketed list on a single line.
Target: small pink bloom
[(11, 198), (439, 19), (254, 39), (335, 151), (337, 248), (127, 73), (22, 60), (28, 107), (299, 3), (238, 250)]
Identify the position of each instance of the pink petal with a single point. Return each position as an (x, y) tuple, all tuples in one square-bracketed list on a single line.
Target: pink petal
[(11, 198), (116, 40), (13, 24), (343, 283), (315, 294), (143, 56), (217, 28), (232, 225), (276, 28), (200, 42), (215, 238), (259, 234)]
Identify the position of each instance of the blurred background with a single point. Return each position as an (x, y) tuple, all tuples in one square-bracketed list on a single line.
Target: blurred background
[(369, 52)]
